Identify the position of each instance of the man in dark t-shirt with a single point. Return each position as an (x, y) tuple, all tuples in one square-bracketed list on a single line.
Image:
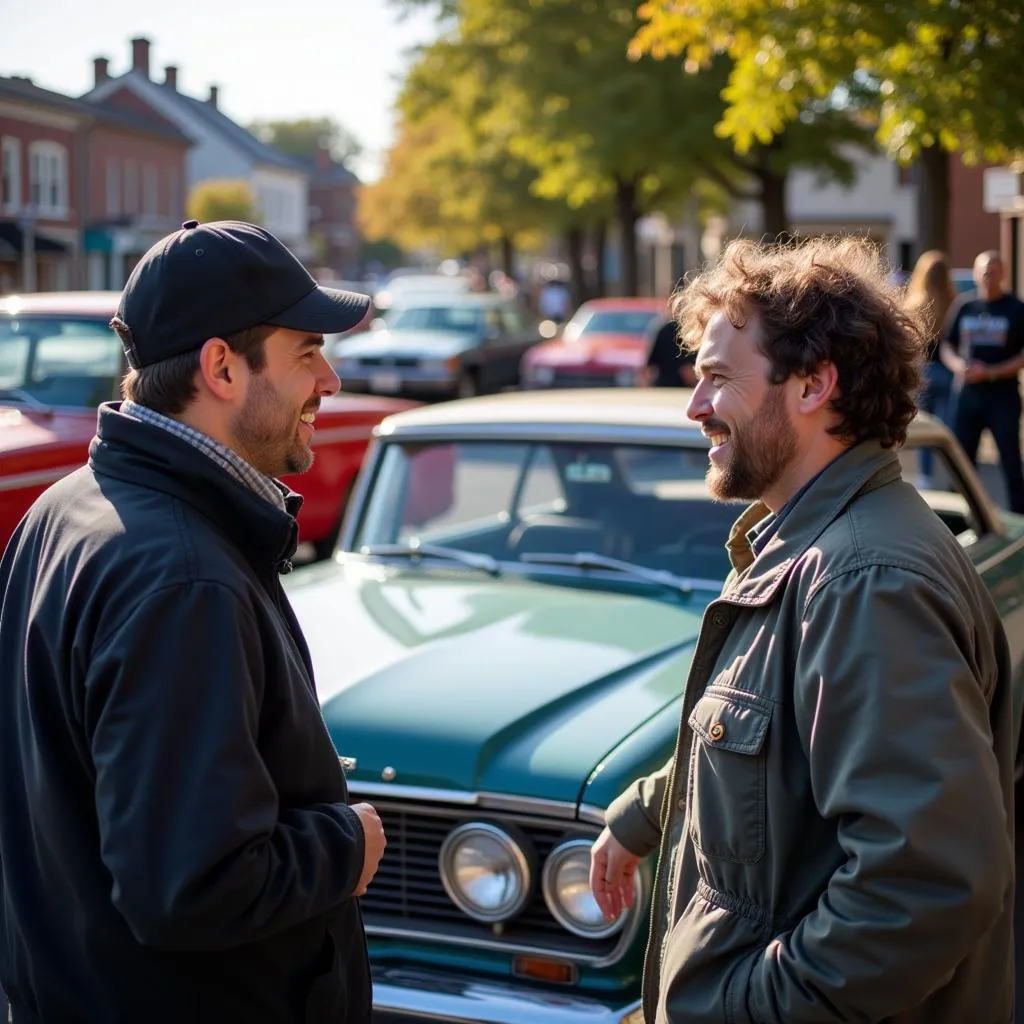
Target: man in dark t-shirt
[(984, 348), (668, 366)]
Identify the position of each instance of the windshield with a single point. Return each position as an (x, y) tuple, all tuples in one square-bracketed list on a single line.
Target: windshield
[(608, 321), (461, 319), (59, 361), (514, 501)]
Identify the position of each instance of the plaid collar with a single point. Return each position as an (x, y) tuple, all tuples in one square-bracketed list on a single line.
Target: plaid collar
[(263, 486)]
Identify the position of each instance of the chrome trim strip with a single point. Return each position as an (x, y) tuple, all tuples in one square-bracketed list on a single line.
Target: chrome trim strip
[(413, 793), (592, 814), (39, 476), (505, 802), (993, 560), (430, 996)]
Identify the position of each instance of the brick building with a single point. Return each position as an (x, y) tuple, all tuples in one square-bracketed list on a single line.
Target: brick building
[(332, 211), (86, 188)]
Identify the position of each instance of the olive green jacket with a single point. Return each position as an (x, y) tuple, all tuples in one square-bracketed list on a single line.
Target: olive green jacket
[(836, 825)]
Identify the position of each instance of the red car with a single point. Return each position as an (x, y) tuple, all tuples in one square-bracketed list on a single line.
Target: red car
[(59, 360), (604, 344)]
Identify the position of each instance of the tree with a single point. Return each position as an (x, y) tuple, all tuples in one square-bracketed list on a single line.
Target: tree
[(938, 77), (636, 134), (222, 199), (302, 138)]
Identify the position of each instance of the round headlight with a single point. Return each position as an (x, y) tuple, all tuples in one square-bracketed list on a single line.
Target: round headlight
[(485, 872), (566, 881)]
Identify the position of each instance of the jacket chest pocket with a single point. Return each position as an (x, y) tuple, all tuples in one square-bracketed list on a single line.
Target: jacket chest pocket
[(726, 790)]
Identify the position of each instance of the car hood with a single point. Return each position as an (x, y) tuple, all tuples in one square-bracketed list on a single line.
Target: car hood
[(507, 685), (418, 344), (622, 351)]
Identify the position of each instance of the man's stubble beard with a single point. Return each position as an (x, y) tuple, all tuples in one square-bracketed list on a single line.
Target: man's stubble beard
[(761, 452), (267, 435)]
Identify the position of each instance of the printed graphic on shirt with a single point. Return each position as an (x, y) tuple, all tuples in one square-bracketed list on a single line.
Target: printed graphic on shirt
[(984, 330)]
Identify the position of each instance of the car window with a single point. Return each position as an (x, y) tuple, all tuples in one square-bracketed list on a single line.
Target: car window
[(61, 361), (644, 504), (463, 319), (514, 319), (943, 489), (619, 321)]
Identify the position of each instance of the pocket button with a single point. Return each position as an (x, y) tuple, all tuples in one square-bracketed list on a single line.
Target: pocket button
[(717, 731), (719, 619)]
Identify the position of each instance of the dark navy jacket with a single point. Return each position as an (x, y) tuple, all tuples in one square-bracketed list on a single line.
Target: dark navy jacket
[(175, 840)]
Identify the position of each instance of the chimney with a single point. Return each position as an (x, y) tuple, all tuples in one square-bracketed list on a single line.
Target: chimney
[(171, 77), (140, 56), (213, 96), (99, 70)]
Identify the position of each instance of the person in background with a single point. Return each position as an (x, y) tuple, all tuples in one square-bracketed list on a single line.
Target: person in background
[(669, 365), (177, 841), (983, 347), (930, 294)]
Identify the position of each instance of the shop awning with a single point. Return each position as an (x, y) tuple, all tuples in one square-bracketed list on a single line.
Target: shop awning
[(12, 240)]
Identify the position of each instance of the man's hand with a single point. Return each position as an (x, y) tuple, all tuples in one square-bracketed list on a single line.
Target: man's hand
[(975, 372), (612, 871), (373, 831)]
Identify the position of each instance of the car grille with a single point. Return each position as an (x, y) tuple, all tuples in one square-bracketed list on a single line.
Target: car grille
[(389, 361), (406, 896)]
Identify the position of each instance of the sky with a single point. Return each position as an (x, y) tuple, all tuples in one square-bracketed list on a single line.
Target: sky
[(270, 59)]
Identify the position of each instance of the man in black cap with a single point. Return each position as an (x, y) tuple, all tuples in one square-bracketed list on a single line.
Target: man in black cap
[(176, 839)]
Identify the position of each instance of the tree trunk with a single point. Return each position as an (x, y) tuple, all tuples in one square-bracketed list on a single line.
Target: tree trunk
[(773, 205), (574, 255), (598, 286), (932, 200), (508, 255), (627, 214)]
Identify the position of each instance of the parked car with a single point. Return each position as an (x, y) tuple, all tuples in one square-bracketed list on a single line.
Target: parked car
[(605, 344), (400, 287), (526, 574), (439, 346), (59, 360)]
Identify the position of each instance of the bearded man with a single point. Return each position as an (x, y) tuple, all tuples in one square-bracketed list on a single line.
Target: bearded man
[(176, 839), (836, 825)]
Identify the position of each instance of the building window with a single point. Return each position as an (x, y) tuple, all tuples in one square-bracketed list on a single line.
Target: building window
[(906, 174), (113, 187), (149, 189), (48, 178), (10, 190), (131, 187)]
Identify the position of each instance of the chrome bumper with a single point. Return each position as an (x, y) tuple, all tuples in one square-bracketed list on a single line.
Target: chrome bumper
[(402, 994)]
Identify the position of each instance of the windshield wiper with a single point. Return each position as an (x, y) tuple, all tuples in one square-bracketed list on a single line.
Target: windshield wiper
[(591, 560), (485, 563)]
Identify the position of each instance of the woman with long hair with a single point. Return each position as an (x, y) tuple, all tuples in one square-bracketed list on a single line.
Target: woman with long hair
[(930, 291)]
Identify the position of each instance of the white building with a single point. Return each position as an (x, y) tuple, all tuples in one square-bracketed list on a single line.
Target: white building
[(222, 149)]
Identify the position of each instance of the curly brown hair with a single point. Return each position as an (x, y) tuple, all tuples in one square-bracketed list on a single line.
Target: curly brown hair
[(826, 300)]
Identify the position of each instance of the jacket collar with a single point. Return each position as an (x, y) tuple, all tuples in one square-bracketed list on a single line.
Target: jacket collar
[(148, 455), (755, 580)]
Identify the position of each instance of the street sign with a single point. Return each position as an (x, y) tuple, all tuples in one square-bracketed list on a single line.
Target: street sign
[(1001, 187)]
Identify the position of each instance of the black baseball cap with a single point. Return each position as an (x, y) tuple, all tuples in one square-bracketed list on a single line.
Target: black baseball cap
[(209, 280)]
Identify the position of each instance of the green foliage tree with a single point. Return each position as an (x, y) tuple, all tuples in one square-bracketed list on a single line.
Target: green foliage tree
[(222, 199), (302, 138), (637, 134), (939, 76)]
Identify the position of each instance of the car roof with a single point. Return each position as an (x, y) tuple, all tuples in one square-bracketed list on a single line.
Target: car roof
[(448, 300), (66, 303), (601, 410)]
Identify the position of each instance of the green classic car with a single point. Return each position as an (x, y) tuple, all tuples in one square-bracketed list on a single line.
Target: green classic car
[(501, 644)]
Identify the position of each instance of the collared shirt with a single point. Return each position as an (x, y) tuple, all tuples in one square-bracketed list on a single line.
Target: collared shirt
[(259, 483), (763, 530)]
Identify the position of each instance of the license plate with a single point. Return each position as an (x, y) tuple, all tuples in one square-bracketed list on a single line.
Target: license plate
[(388, 381)]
